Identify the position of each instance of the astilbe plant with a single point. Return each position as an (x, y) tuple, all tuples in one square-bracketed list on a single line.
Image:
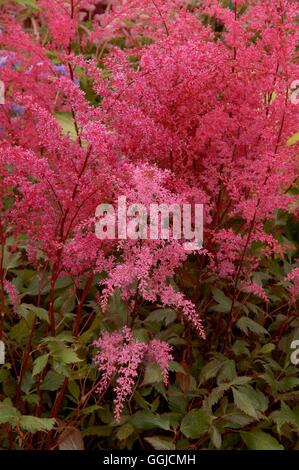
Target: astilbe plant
[(180, 113)]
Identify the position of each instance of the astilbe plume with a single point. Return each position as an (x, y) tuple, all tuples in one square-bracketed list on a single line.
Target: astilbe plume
[(121, 355)]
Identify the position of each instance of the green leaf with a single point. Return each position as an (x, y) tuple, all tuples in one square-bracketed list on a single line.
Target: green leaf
[(216, 437), (244, 403), (39, 364), (196, 423), (210, 370), (240, 348), (25, 3), (288, 383), (284, 416), (27, 382), (259, 440), (124, 431), (168, 315), (224, 303), (33, 398), (217, 393), (228, 371), (160, 443), (237, 420), (91, 409), (152, 374), (145, 420), (294, 139), (100, 431), (66, 356), (8, 413), (65, 120), (176, 367), (52, 381), (246, 324), (267, 348), (34, 424), (25, 309)]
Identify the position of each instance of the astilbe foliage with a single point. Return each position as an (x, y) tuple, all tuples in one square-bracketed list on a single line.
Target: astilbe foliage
[(186, 116)]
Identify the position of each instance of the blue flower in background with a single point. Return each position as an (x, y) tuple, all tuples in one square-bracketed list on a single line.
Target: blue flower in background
[(17, 109), (4, 58), (60, 69), (3, 61)]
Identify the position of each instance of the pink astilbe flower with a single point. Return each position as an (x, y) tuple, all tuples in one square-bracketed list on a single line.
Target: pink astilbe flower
[(121, 355), (13, 293), (293, 277), (159, 352), (129, 359), (257, 290)]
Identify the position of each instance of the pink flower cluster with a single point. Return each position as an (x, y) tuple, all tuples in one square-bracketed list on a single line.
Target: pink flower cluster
[(293, 277), (120, 356)]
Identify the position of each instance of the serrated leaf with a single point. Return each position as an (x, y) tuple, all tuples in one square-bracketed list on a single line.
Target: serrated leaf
[(124, 431), (227, 372), (246, 324), (217, 393), (237, 420), (152, 374), (196, 423), (160, 443), (168, 315), (288, 383), (145, 420), (52, 381), (240, 347), (244, 404), (24, 310), (216, 437), (259, 440), (176, 367), (27, 382), (39, 364), (66, 356), (284, 416), (210, 370), (224, 303), (33, 398), (241, 380), (35, 424), (8, 413), (74, 389)]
